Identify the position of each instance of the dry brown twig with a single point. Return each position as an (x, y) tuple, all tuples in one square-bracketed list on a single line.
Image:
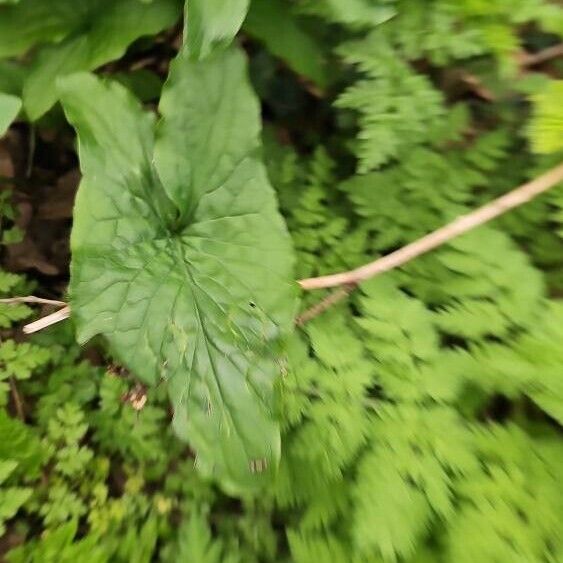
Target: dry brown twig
[(49, 320), (459, 226), (324, 304), (533, 59), (33, 299), (348, 281), (525, 61)]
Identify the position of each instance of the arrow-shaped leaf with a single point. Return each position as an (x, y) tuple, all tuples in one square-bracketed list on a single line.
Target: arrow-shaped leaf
[(180, 258)]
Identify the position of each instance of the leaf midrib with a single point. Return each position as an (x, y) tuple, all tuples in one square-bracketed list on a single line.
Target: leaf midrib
[(207, 341)]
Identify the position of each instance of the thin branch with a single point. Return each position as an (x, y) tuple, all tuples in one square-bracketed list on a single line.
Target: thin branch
[(330, 300), (532, 59), (33, 299), (459, 226), (31, 151), (49, 320)]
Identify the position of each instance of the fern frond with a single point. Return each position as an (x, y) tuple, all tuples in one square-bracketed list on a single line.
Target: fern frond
[(530, 366), (511, 506), (60, 545), (400, 334), (119, 428), (18, 442), (430, 186), (356, 14), (195, 542), (312, 548), (396, 105), (408, 477), (10, 313), (11, 498), (546, 125), (481, 285)]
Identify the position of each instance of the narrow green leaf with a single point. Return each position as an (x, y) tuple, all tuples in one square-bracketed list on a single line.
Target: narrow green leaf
[(9, 109), (12, 76), (211, 23), (110, 31), (30, 22), (189, 279), (221, 111), (273, 23)]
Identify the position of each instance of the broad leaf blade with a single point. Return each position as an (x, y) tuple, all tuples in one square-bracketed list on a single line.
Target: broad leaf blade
[(199, 297), (110, 30), (210, 103), (26, 23), (211, 23), (12, 76), (274, 24), (9, 108)]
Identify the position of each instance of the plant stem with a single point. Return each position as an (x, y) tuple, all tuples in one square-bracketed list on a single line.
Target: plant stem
[(532, 59), (324, 304), (33, 299), (18, 403), (49, 320), (437, 238), (459, 226)]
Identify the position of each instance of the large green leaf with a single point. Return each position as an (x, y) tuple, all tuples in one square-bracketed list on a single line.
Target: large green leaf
[(211, 23), (29, 22), (12, 76), (110, 30), (273, 23), (180, 258), (9, 108)]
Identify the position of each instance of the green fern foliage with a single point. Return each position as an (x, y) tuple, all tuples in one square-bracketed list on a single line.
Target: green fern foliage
[(18, 361), (356, 14), (10, 284), (20, 444), (397, 202), (196, 542), (403, 394), (11, 498), (401, 335), (310, 548), (511, 506), (408, 478), (529, 367), (325, 435), (391, 121), (120, 428), (59, 545), (546, 126), (492, 287)]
